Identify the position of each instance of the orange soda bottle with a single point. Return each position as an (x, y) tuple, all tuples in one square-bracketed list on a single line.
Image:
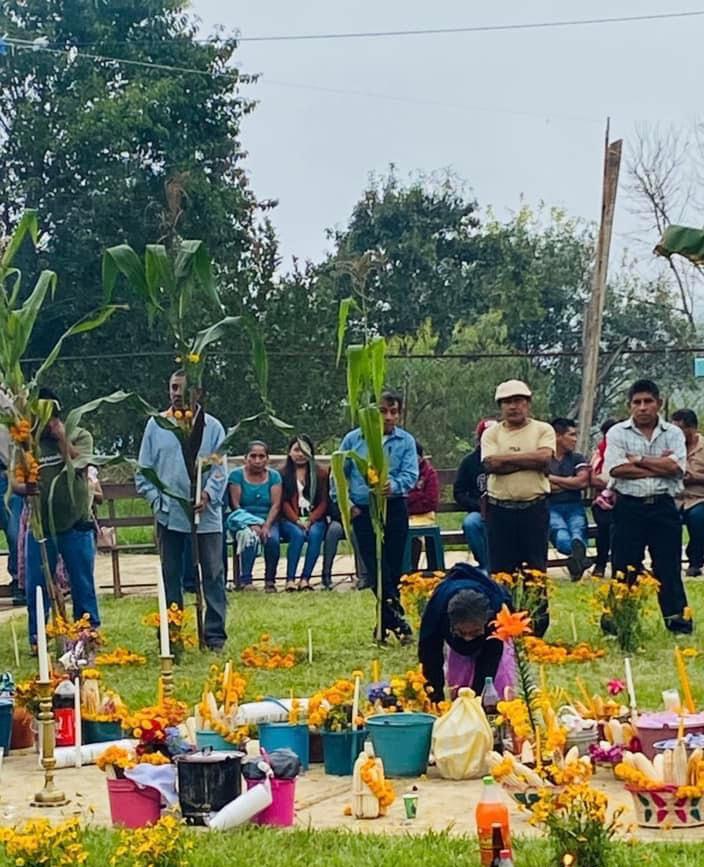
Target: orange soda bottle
[(491, 810)]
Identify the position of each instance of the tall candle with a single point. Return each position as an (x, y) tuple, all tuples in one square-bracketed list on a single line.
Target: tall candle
[(355, 704), (164, 646), (376, 673), (629, 682), (226, 686), (684, 681), (199, 482), (538, 751), (77, 719), (42, 652), (310, 646), (573, 621)]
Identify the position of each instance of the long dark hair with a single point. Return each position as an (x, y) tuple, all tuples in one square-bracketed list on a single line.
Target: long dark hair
[(288, 471)]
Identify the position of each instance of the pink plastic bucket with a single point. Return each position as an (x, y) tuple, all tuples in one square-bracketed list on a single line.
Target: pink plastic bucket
[(280, 811), (133, 806)]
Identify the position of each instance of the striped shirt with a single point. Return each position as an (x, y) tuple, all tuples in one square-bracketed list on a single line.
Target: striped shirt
[(625, 439)]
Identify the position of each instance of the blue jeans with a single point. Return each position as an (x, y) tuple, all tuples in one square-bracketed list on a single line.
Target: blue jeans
[(296, 538), (272, 549), (77, 549), (10, 522), (568, 524), (694, 521), (474, 527)]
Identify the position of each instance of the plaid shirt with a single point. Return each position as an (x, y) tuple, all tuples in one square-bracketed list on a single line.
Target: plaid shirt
[(625, 439)]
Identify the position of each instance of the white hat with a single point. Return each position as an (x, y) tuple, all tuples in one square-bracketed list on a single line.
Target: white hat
[(512, 388)]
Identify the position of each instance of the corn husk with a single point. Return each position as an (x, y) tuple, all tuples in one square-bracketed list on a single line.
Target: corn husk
[(644, 765), (572, 756), (693, 766), (659, 765), (669, 769), (629, 759), (680, 764)]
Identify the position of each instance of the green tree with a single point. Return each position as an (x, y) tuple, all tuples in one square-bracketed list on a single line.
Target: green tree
[(109, 152)]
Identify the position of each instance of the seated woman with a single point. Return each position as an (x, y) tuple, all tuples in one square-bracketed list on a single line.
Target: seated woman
[(304, 509), (423, 502), (255, 498), (458, 615)]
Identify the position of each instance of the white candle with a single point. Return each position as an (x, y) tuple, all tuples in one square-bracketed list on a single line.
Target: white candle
[(310, 646), (42, 652), (573, 620), (77, 720), (629, 682), (199, 482), (355, 704), (165, 647), (15, 644)]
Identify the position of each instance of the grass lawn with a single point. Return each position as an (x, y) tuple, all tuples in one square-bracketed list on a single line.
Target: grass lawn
[(342, 631)]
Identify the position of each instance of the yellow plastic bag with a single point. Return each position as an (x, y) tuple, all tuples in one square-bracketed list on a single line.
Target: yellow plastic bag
[(462, 738)]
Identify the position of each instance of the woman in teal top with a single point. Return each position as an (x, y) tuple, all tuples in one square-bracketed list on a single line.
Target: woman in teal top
[(255, 498)]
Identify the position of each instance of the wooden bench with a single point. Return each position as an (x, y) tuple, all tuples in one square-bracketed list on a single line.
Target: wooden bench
[(113, 493)]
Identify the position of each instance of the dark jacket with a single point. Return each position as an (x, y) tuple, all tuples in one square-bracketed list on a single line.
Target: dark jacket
[(470, 482), (435, 626)]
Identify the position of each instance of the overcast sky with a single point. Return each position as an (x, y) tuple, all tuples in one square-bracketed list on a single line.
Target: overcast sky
[(513, 113)]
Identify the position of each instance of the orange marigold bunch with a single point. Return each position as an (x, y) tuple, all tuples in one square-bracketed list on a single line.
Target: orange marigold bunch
[(21, 431), (265, 654), (374, 778), (26, 469), (556, 654)]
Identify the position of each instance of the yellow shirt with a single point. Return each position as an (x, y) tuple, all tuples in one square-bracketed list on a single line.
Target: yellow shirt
[(502, 440)]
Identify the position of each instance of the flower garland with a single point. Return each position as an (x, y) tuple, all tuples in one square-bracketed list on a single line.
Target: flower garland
[(373, 777), (542, 652), (265, 654), (120, 656)]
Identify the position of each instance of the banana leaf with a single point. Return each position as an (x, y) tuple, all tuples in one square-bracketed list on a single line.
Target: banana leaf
[(682, 241)]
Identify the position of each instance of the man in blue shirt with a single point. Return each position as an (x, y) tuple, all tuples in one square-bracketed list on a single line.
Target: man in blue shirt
[(403, 475), (161, 451)]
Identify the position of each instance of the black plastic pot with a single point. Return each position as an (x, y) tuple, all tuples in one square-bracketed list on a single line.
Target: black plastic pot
[(206, 782)]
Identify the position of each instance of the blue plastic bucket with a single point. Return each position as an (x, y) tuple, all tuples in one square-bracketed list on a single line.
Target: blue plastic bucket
[(402, 741), (206, 739), (6, 705), (340, 751), (283, 735)]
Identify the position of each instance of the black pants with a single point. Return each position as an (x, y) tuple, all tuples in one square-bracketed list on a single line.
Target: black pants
[(693, 519), (393, 547), (638, 524), (603, 518), (519, 537)]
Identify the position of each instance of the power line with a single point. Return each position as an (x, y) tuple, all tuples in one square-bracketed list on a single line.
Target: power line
[(477, 28), (447, 356)]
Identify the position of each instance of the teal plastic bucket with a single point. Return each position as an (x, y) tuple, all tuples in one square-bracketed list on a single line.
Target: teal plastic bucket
[(277, 736), (206, 739), (340, 751), (402, 741), (6, 705)]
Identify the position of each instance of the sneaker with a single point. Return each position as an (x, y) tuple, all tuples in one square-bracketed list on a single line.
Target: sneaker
[(577, 561), (270, 587), (694, 572), (216, 648), (291, 586), (679, 625), (598, 571)]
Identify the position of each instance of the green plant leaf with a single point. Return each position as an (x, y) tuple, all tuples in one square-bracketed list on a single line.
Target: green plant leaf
[(19, 323), (260, 360), (343, 314), (87, 323), (377, 352), (232, 432), (158, 271), (151, 476), (28, 225), (73, 419), (337, 469), (357, 366), (215, 332), (122, 259)]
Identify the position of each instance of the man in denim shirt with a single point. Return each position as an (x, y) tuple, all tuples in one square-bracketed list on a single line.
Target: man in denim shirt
[(403, 475), (161, 451)]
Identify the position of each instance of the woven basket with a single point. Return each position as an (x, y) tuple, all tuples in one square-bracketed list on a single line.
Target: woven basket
[(661, 807)]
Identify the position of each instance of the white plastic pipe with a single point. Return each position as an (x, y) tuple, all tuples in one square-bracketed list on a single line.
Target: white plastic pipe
[(242, 809)]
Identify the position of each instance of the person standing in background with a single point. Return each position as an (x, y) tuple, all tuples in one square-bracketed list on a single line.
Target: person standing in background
[(603, 503), (469, 492), (691, 499), (423, 502)]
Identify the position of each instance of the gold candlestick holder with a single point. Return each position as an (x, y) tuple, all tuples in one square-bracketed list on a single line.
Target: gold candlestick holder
[(167, 676), (49, 796)]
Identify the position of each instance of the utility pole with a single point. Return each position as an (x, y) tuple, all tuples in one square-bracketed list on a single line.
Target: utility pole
[(594, 309)]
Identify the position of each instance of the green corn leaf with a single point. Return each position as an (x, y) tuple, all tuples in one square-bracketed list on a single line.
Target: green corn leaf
[(260, 359), (122, 259), (215, 332), (343, 314), (87, 323), (279, 424), (232, 432), (337, 469), (151, 476), (158, 271), (73, 419), (377, 352), (356, 376), (372, 427), (20, 322), (28, 225)]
